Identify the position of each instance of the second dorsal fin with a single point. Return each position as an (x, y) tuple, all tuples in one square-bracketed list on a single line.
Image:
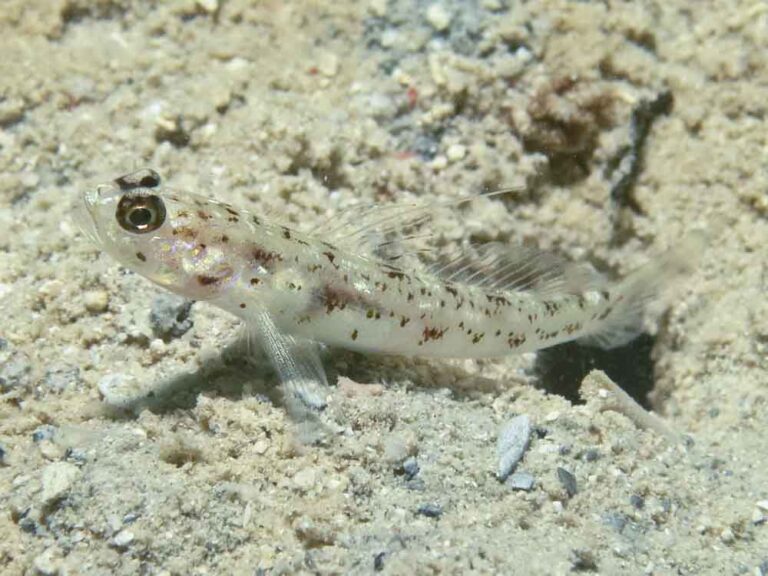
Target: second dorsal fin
[(497, 266)]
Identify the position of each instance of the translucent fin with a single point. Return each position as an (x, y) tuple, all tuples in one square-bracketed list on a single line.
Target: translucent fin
[(392, 231), (297, 362), (636, 291), (497, 266)]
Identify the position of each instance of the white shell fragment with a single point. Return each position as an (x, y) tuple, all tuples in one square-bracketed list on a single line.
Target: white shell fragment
[(57, 478), (513, 441)]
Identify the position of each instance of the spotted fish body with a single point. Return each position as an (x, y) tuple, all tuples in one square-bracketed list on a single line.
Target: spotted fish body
[(296, 289)]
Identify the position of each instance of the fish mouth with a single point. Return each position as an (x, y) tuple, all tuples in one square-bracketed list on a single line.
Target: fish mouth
[(85, 215)]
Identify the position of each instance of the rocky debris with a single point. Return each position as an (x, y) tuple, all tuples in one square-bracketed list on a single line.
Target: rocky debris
[(521, 481), (430, 510), (512, 443), (568, 481), (410, 468), (15, 367), (60, 378), (169, 316), (57, 479)]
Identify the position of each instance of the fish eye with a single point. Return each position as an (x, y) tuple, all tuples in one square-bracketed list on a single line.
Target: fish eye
[(140, 214)]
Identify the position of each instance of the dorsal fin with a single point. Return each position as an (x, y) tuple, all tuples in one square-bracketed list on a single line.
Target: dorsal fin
[(398, 233), (497, 266), (390, 231)]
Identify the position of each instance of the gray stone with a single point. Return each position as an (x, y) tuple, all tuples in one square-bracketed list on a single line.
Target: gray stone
[(410, 467), (44, 432), (568, 481), (521, 481), (57, 479), (430, 510), (169, 316), (61, 378), (512, 443), (15, 368)]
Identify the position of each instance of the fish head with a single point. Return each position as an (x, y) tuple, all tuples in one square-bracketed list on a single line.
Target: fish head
[(173, 239)]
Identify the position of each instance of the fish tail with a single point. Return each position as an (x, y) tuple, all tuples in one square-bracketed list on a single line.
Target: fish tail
[(623, 320)]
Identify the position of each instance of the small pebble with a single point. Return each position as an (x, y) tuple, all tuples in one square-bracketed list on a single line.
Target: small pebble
[(521, 481), (48, 563), (15, 368), (208, 6), (456, 152), (591, 455), (96, 301), (44, 432), (416, 484), (76, 456), (3, 455), (169, 316), (430, 510), (305, 478), (396, 450), (61, 378), (328, 64), (616, 520), (512, 443), (123, 538), (568, 481), (410, 468), (438, 17), (57, 479), (119, 390), (583, 559), (378, 561)]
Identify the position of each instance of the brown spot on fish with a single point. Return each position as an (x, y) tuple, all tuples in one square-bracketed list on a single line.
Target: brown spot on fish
[(396, 274), (286, 233), (354, 334), (254, 281), (432, 333), (203, 215), (264, 256), (242, 304), (477, 337), (255, 220), (337, 298), (403, 321), (140, 256), (224, 238), (515, 340), (205, 280), (331, 257), (184, 232), (452, 291)]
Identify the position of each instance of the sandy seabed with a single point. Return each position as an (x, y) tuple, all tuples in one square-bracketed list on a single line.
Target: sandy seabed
[(627, 125)]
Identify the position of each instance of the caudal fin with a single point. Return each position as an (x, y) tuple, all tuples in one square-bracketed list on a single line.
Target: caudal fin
[(641, 287)]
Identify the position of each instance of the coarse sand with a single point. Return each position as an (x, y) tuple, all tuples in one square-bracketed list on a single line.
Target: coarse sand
[(130, 445)]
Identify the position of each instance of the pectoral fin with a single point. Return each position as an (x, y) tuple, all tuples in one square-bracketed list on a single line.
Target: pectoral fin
[(297, 362)]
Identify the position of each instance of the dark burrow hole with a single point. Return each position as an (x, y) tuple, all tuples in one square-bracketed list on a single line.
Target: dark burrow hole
[(561, 369)]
